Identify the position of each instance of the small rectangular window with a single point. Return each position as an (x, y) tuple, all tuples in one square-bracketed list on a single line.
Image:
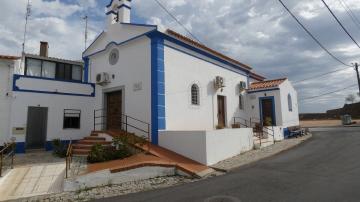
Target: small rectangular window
[(33, 67), (60, 71), (68, 72), (72, 118), (241, 102), (76, 73), (48, 69)]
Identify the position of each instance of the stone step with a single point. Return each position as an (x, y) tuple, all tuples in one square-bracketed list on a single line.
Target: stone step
[(81, 151), (93, 142), (94, 138)]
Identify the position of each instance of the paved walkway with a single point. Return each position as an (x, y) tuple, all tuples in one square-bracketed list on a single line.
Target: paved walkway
[(32, 180), (33, 174)]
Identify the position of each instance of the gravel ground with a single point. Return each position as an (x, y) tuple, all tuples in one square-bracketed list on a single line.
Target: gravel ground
[(256, 155), (113, 190)]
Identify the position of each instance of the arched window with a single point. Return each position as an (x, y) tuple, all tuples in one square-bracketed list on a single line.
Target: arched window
[(195, 95), (290, 103), (241, 102)]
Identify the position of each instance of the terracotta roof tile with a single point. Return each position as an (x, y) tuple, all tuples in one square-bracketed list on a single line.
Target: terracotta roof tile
[(8, 57), (198, 45), (266, 84)]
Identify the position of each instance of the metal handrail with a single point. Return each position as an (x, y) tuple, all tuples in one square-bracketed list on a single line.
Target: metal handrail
[(246, 125), (68, 159), (4, 156), (124, 122)]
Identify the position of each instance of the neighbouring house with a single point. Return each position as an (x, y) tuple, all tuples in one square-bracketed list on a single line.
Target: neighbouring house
[(185, 96)]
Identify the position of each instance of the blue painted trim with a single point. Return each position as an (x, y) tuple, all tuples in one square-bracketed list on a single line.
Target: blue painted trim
[(233, 70), (112, 2), (118, 44), (124, 5), (111, 12), (86, 69), (16, 88), (93, 42), (266, 90), (20, 147), (138, 24), (158, 120), (200, 51), (272, 98)]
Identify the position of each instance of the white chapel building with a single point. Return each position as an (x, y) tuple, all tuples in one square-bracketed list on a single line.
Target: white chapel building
[(163, 83)]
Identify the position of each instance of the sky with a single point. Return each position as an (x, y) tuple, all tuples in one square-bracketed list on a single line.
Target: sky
[(259, 33)]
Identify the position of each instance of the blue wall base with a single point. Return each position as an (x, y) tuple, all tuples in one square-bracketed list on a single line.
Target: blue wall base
[(21, 149)]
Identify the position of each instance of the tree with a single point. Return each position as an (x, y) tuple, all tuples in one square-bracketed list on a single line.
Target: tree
[(350, 99)]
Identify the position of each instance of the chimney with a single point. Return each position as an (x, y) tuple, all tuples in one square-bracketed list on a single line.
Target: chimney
[(44, 46)]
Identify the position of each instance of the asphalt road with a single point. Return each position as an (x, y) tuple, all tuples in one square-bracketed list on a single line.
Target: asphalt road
[(325, 168)]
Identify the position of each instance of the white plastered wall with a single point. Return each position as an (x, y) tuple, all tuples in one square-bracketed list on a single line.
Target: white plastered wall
[(181, 71), (208, 147), (6, 69), (133, 68), (290, 118)]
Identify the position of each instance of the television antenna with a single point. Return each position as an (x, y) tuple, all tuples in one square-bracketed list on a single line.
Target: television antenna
[(27, 15), (86, 30)]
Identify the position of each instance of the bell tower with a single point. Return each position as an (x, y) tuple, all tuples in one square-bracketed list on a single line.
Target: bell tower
[(118, 11)]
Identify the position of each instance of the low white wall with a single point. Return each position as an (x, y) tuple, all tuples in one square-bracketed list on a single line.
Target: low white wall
[(208, 147), (278, 133)]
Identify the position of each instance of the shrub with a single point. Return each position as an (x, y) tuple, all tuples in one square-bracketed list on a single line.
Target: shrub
[(99, 153), (60, 149)]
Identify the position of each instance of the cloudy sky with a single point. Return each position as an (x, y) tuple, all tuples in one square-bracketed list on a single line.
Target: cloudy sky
[(256, 32)]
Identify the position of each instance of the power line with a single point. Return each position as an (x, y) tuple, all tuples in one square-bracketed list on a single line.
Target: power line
[(182, 25), (345, 30), (328, 93), (320, 75), (312, 36), (353, 17)]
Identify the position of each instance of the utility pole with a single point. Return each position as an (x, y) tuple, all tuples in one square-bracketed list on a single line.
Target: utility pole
[(358, 76)]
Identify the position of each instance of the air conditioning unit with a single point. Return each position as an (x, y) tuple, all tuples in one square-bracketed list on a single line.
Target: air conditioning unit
[(102, 78), (242, 86), (219, 82)]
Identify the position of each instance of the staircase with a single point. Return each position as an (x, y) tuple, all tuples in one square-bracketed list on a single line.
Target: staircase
[(83, 147)]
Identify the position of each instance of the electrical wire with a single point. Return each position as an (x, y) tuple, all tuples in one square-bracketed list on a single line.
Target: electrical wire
[(352, 16), (312, 36), (182, 25), (320, 75), (329, 93), (342, 26)]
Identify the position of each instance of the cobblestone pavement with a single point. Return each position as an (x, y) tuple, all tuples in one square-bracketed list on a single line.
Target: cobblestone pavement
[(113, 190), (256, 155)]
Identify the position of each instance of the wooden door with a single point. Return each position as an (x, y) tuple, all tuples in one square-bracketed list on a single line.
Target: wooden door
[(36, 127), (221, 111), (114, 110), (267, 112)]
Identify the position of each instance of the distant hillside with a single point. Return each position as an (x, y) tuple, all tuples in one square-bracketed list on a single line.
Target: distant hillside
[(351, 109)]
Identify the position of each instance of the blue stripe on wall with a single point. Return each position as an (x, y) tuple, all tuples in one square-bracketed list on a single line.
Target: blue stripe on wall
[(158, 120)]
